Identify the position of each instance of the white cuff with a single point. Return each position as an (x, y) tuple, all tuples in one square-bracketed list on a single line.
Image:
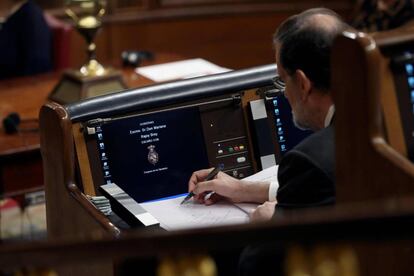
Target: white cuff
[(274, 185)]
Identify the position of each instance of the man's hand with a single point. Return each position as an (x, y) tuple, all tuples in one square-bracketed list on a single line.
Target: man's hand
[(263, 212), (223, 185)]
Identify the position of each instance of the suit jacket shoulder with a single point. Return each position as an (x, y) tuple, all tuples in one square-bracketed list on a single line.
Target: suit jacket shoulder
[(306, 173)]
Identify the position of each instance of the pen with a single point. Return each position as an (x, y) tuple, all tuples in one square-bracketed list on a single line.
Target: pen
[(210, 176)]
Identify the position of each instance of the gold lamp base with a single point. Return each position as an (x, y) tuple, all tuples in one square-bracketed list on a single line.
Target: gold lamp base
[(74, 86)]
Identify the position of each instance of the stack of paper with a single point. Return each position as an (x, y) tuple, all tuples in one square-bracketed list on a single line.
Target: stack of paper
[(102, 204), (180, 70)]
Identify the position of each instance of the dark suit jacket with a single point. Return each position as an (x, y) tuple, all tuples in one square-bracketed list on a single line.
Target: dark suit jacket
[(306, 179), (306, 173)]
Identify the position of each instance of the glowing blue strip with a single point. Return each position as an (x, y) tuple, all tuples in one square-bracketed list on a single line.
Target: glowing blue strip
[(165, 198)]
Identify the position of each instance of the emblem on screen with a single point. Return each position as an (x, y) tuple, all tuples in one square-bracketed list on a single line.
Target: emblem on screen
[(152, 155)]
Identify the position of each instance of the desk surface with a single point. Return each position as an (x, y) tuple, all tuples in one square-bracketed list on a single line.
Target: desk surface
[(26, 96)]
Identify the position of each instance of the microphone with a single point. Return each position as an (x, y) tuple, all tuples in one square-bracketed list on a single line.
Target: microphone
[(134, 58), (11, 124)]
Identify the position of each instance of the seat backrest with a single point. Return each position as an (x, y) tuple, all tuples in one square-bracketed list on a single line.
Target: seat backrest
[(373, 105), (64, 152)]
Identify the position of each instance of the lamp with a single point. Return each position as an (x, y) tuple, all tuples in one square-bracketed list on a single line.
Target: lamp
[(92, 79)]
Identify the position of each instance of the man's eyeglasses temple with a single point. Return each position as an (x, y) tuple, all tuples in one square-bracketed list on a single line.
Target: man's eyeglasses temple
[(279, 88)]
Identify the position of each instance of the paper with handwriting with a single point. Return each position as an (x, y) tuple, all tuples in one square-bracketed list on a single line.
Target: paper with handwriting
[(174, 216)]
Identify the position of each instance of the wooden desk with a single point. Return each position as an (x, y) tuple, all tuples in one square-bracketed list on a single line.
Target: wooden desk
[(20, 160)]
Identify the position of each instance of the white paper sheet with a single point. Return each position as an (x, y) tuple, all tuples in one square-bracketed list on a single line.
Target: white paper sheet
[(173, 216), (180, 70)]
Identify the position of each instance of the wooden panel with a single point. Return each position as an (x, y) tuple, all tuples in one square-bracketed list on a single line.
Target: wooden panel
[(195, 2), (235, 3), (374, 239), (128, 3), (389, 102), (122, 5), (367, 166), (219, 40), (226, 33), (21, 172), (82, 156), (19, 152)]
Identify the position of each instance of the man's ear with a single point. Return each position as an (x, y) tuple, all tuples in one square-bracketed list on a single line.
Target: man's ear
[(304, 84)]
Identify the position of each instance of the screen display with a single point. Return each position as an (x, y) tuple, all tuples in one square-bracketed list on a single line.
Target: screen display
[(286, 134), (403, 70), (152, 156)]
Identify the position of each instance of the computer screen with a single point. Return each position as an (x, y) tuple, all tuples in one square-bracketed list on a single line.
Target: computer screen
[(402, 67), (152, 156), (285, 133)]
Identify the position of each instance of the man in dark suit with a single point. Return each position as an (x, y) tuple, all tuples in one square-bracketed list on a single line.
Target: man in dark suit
[(306, 174)]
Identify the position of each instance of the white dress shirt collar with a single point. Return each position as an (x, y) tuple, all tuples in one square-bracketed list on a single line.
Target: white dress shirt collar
[(329, 116)]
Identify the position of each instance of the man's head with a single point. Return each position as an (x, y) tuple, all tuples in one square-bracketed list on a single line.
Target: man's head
[(303, 46)]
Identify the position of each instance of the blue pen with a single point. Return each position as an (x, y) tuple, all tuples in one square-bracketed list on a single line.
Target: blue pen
[(210, 176)]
